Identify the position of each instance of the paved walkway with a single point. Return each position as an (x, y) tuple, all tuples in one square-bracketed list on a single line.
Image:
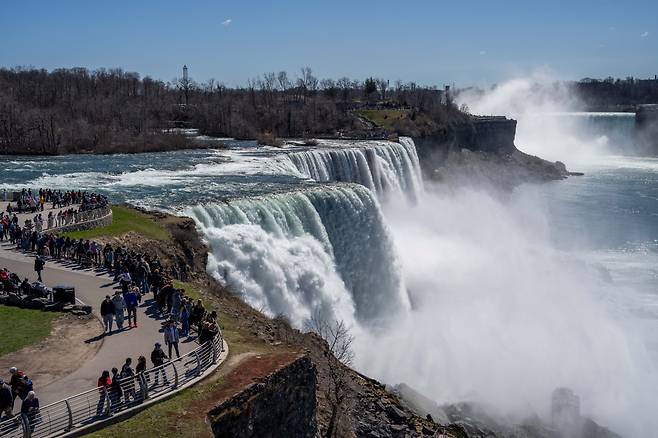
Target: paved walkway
[(91, 288)]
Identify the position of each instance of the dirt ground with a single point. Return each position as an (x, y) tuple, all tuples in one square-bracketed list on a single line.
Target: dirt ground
[(59, 354)]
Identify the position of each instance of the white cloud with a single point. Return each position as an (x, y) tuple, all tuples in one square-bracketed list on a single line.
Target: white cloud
[(227, 22), (645, 34)]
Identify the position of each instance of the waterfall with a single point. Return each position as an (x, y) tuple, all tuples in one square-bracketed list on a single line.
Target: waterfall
[(323, 249), (384, 167)]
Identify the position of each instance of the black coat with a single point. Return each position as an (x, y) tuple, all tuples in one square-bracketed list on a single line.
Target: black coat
[(107, 308)]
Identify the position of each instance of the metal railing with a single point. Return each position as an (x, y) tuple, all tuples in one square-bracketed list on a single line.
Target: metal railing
[(97, 405), (80, 217)]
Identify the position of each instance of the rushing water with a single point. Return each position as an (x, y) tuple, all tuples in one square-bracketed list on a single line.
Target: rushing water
[(462, 294)]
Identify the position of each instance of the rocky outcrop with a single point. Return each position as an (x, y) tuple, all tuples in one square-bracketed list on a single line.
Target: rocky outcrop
[(282, 405), (482, 149)]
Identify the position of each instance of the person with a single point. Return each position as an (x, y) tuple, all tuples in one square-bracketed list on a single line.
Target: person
[(125, 280), (158, 357), (128, 376), (119, 306), (6, 400), (116, 392), (140, 369), (175, 304), (26, 387), (107, 313), (15, 382), (131, 306), (38, 266), (198, 312), (104, 385), (171, 336), (185, 319), (30, 409)]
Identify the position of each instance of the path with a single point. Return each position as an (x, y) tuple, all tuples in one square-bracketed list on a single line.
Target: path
[(23, 216), (90, 287)]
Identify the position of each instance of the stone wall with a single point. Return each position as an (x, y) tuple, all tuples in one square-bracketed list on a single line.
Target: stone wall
[(281, 404)]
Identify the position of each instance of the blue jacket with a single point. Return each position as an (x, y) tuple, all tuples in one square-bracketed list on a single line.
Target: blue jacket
[(131, 299)]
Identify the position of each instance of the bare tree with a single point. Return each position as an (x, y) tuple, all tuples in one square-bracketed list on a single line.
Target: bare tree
[(338, 356)]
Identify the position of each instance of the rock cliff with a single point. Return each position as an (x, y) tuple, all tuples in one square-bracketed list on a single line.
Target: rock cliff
[(482, 149), (282, 405)]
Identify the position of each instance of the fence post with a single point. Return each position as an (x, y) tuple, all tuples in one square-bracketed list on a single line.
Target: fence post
[(68, 408), (108, 403), (214, 352), (198, 363), (144, 386), (173, 364)]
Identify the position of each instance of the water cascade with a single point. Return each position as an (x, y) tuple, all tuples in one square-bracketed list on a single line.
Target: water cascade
[(383, 167), (324, 249)]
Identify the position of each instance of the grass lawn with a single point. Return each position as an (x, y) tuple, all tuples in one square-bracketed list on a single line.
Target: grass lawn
[(125, 220), (384, 118), (23, 327)]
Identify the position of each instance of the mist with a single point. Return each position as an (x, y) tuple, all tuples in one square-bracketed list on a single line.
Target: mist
[(551, 123), (502, 317)]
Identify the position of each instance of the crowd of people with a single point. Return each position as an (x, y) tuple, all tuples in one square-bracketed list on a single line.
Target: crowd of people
[(32, 202), (20, 386), (137, 274)]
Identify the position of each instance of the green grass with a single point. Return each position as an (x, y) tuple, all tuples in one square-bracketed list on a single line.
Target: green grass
[(190, 289), (23, 327), (125, 220), (384, 118)]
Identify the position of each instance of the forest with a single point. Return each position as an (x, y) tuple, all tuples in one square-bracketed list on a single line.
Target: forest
[(110, 110)]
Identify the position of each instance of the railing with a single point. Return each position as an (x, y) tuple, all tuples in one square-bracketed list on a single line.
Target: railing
[(80, 217), (98, 405)]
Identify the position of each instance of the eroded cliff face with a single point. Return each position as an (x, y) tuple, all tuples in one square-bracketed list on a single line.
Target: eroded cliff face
[(482, 149), (282, 404)]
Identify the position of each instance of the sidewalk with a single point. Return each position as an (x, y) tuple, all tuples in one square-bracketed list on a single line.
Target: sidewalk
[(91, 288)]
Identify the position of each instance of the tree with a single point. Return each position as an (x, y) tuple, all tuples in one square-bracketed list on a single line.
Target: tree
[(338, 356), (369, 86)]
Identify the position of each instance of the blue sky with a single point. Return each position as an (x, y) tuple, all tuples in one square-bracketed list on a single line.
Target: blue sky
[(430, 42)]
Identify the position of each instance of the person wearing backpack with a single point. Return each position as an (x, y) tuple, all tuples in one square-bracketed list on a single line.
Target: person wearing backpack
[(128, 376)]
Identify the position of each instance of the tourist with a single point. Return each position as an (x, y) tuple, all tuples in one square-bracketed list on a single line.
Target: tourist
[(171, 336), (198, 312), (175, 304), (119, 307), (140, 370), (116, 392), (107, 313), (38, 266), (15, 382), (6, 400), (185, 318), (158, 357), (131, 300), (104, 385), (125, 280), (26, 387), (30, 409), (128, 376)]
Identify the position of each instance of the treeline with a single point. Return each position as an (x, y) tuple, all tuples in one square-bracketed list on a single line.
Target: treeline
[(610, 93), (104, 111)]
